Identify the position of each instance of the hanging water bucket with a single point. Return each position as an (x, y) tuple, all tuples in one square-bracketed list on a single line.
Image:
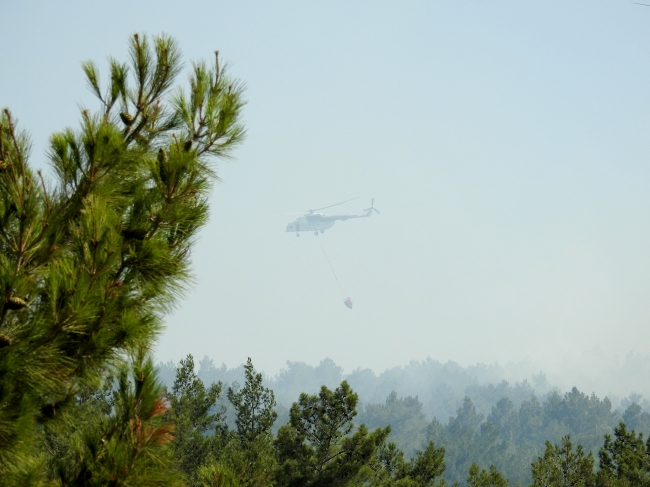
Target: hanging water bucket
[(348, 303)]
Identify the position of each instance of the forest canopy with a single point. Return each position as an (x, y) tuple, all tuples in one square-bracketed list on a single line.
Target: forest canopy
[(505, 426)]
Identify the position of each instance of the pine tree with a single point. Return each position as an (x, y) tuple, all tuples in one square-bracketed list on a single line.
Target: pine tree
[(423, 470), (562, 467), (321, 447), (477, 477), (198, 427), (250, 453), (92, 260), (624, 461), (254, 404)]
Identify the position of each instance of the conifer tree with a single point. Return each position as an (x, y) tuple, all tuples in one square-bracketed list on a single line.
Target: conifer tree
[(254, 405), (92, 260), (625, 460), (198, 426), (477, 477), (250, 453), (561, 466), (321, 447), (423, 470)]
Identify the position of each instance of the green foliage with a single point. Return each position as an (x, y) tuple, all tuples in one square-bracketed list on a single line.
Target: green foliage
[(506, 441), (253, 461), (210, 113), (254, 405), (635, 418), (91, 261), (504, 417), (320, 447), (62, 439), (467, 439), (428, 464), (250, 453), (390, 465), (405, 417), (625, 461), (191, 406), (423, 470), (125, 442), (217, 476), (511, 438), (531, 421), (586, 417), (562, 467), (485, 478)]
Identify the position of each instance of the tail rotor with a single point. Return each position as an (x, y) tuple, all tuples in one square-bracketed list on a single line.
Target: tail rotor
[(372, 208)]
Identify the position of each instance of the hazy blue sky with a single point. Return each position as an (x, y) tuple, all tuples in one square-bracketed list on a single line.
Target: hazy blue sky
[(506, 144)]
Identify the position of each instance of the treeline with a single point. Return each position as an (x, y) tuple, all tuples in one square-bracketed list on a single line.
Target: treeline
[(509, 439), (440, 387)]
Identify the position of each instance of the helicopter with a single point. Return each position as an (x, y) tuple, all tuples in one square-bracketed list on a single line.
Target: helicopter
[(317, 222)]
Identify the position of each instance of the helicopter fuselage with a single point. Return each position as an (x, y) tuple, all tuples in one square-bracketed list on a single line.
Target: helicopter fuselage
[(311, 223), (317, 222)]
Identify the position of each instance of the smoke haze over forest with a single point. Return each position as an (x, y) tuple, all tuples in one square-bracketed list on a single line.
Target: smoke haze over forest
[(441, 387), (593, 371), (473, 412), (506, 146)]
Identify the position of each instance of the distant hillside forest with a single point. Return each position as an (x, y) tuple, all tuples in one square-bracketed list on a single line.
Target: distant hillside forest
[(456, 408)]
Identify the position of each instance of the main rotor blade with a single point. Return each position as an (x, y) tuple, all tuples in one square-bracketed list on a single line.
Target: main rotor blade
[(337, 204)]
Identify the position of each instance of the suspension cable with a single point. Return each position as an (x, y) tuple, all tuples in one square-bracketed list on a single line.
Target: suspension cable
[(330, 264)]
